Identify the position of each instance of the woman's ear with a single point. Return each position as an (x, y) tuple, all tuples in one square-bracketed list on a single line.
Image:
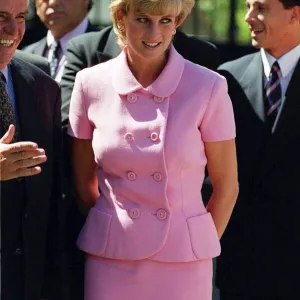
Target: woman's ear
[(120, 16)]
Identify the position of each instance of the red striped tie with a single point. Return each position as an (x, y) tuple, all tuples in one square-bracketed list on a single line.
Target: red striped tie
[(273, 95)]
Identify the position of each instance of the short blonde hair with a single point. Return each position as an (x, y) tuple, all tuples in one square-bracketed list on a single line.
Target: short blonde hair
[(155, 7)]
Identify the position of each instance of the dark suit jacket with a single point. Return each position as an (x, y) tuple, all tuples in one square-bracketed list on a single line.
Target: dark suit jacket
[(38, 197), (97, 47), (261, 246), (40, 47), (34, 59)]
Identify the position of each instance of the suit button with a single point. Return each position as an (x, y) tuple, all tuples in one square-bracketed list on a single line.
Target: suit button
[(158, 99), (157, 177), (134, 213), (128, 137), (154, 136), (161, 214), (131, 176), (131, 98), (18, 251)]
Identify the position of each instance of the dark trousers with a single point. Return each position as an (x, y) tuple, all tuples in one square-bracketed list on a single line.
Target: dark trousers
[(232, 296)]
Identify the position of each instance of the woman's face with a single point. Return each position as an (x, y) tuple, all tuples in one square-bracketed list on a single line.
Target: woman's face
[(148, 36)]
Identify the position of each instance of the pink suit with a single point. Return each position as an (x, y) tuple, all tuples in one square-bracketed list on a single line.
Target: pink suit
[(148, 143)]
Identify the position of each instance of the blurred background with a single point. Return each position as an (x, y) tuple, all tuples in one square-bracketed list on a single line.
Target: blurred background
[(218, 21)]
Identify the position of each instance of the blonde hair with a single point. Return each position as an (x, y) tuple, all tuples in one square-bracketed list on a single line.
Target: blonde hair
[(152, 7)]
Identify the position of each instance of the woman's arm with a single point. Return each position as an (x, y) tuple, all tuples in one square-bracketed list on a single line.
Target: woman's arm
[(84, 173), (222, 170)]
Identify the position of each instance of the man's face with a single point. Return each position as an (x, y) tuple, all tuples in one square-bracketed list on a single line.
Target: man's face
[(61, 16), (12, 28), (269, 23)]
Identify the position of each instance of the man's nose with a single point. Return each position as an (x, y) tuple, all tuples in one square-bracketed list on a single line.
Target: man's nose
[(12, 27), (250, 15)]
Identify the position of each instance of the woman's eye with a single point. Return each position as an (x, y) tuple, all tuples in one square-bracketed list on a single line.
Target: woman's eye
[(166, 21), (142, 20)]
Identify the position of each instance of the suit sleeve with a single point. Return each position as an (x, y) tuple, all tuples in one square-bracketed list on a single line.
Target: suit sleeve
[(218, 120), (76, 61)]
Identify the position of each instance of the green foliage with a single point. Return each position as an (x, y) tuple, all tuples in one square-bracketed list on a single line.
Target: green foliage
[(213, 18)]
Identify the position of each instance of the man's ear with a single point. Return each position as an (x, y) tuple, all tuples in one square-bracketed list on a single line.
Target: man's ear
[(295, 14)]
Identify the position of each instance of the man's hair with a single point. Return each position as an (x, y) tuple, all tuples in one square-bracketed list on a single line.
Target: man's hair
[(290, 3)]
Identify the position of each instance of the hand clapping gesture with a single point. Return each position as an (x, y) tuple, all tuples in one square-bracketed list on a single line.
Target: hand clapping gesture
[(19, 159)]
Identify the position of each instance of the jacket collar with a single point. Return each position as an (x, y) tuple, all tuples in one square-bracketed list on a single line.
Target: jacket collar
[(125, 83)]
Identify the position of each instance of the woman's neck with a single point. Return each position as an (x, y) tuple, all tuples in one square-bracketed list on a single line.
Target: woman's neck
[(146, 71)]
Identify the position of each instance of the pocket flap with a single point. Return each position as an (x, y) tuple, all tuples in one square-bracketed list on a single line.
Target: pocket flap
[(204, 237), (94, 234)]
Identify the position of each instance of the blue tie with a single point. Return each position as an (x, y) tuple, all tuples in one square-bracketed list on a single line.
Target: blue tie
[(273, 95)]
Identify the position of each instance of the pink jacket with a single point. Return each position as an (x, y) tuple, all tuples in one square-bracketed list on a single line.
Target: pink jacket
[(148, 144)]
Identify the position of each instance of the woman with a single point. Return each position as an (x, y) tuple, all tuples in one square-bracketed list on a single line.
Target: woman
[(144, 125)]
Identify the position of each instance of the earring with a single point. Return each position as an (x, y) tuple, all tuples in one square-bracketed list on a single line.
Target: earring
[(174, 31), (121, 28)]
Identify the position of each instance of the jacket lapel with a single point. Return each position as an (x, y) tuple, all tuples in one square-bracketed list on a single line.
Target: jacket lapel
[(252, 84), (40, 47), (111, 49), (29, 118), (291, 103), (27, 104)]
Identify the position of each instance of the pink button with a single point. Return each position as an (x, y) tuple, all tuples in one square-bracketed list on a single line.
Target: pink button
[(128, 137), (131, 176), (154, 136), (134, 213), (157, 176), (161, 214), (131, 98), (158, 99)]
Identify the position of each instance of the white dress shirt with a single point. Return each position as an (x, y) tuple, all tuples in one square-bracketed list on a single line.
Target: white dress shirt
[(287, 64)]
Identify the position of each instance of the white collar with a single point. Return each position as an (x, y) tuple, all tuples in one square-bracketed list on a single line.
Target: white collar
[(287, 62), (80, 29)]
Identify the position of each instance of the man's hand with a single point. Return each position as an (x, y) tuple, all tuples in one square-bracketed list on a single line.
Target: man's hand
[(19, 159)]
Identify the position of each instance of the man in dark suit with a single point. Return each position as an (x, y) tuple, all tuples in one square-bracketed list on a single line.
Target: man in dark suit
[(261, 245), (30, 136), (40, 62), (64, 19)]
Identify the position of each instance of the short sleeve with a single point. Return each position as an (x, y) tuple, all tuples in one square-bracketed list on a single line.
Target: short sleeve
[(218, 120), (79, 124)]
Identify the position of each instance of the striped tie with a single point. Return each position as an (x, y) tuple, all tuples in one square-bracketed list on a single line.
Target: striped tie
[(7, 115), (273, 94), (55, 48)]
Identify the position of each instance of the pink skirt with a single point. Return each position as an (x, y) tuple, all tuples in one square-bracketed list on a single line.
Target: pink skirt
[(108, 279)]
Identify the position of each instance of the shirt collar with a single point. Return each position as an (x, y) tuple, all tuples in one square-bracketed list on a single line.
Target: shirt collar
[(124, 81), (80, 29), (287, 62), (5, 73)]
